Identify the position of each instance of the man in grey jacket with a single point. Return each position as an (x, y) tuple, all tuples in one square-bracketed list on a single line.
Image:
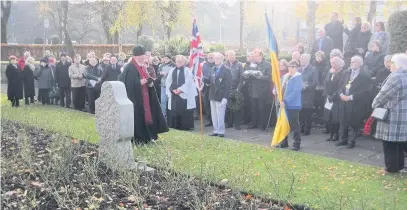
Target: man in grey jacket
[(163, 71)]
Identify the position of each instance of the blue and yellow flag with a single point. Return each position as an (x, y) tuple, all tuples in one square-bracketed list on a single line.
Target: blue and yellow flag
[(282, 128)]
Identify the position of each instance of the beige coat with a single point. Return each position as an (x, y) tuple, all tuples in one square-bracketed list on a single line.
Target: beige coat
[(76, 75)]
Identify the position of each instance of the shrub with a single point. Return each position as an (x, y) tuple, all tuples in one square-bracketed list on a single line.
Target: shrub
[(177, 45), (54, 39), (397, 26), (147, 42), (216, 48)]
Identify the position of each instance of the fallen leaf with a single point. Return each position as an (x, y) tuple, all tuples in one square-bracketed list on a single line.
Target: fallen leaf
[(37, 184), (10, 193), (287, 207), (132, 198), (248, 197)]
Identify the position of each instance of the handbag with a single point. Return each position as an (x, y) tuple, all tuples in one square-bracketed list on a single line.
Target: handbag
[(381, 114)]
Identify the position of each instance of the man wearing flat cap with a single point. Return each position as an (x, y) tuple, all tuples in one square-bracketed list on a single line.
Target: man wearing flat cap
[(148, 118)]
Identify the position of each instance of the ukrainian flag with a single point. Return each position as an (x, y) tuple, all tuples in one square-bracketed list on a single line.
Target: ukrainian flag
[(282, 128)]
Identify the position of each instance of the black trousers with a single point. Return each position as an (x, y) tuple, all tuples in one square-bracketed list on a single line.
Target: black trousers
[(247, 108), (393, 156), (259, 112), (44, 96), (65, 92), (78, 95), (306, 120), (344, 134), (15, 102), (233, 118), (293, 116), (207, 106), (29, 99), (334, 130), (93, 94)]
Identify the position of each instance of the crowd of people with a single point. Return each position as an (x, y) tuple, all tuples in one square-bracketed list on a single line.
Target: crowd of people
[(345, 83)]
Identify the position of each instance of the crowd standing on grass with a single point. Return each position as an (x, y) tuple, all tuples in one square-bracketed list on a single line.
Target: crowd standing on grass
[(344, 83)]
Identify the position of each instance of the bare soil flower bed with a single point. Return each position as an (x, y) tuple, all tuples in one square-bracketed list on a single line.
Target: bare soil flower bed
[(42, 170)]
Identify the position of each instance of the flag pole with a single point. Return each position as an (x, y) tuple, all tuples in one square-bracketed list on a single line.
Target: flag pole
[(200, 113)]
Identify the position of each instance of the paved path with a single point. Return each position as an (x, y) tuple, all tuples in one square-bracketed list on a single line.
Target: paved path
[(367, 151)]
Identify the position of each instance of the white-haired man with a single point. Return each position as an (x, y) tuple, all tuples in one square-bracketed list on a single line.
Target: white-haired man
[(310, 82), (322, 43), (181, 92), (354, 92), (234, 117), (220, 82)]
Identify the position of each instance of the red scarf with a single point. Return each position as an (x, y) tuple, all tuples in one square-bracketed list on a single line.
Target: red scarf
[(144, 92)]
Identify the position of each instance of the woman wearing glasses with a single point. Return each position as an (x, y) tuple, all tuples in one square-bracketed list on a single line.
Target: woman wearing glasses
[(291, 88)]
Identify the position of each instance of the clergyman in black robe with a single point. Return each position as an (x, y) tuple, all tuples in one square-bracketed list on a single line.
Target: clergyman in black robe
[(148, 118), (181, 92)]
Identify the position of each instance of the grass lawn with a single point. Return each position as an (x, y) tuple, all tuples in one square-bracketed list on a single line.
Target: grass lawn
[(296, 177)]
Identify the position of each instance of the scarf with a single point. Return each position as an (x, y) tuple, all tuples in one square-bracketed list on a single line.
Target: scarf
[(144, 92), (32, 66)]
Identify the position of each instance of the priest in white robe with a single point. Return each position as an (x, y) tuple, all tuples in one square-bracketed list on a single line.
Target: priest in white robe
[(181, 91)]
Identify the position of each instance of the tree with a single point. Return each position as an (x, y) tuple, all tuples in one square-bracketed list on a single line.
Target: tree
[(372, 11), (64, 22), (397, 26), (312, 8), (58, 12), (108, 10), (242, 14), (173, 13), (134, 16), (5, 14)]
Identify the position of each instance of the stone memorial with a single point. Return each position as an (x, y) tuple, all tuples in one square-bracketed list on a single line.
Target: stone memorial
[(115, 126)]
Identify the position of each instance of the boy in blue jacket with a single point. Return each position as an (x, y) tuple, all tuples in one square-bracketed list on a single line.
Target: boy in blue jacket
[(291, 88)]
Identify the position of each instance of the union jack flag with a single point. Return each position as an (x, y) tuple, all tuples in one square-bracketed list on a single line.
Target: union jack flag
[(196, 52)]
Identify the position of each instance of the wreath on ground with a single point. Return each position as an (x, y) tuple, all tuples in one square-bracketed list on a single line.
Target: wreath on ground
[(236, 100)]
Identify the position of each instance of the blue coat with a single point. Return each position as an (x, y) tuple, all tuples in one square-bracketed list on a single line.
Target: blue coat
[(292, 93)]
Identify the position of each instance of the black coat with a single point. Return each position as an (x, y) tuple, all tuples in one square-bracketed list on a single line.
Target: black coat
[(220, 84), (143, 133), (110, 73), (62, 74), (310, 81), (335, 31), (331, 92), (352, 41), (327, 47), (381, 75), (363, 42), (374, 61), (28, 81), (14, 82), (261, 88), (322, 68), (356, 110)]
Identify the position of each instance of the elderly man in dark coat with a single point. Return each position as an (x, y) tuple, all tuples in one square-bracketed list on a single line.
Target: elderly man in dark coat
[(14, 85), (63, 81), (260, 91), (310, 82), (334, 30), (148, 118), (323, 43), (354, 91), (234, 117)]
